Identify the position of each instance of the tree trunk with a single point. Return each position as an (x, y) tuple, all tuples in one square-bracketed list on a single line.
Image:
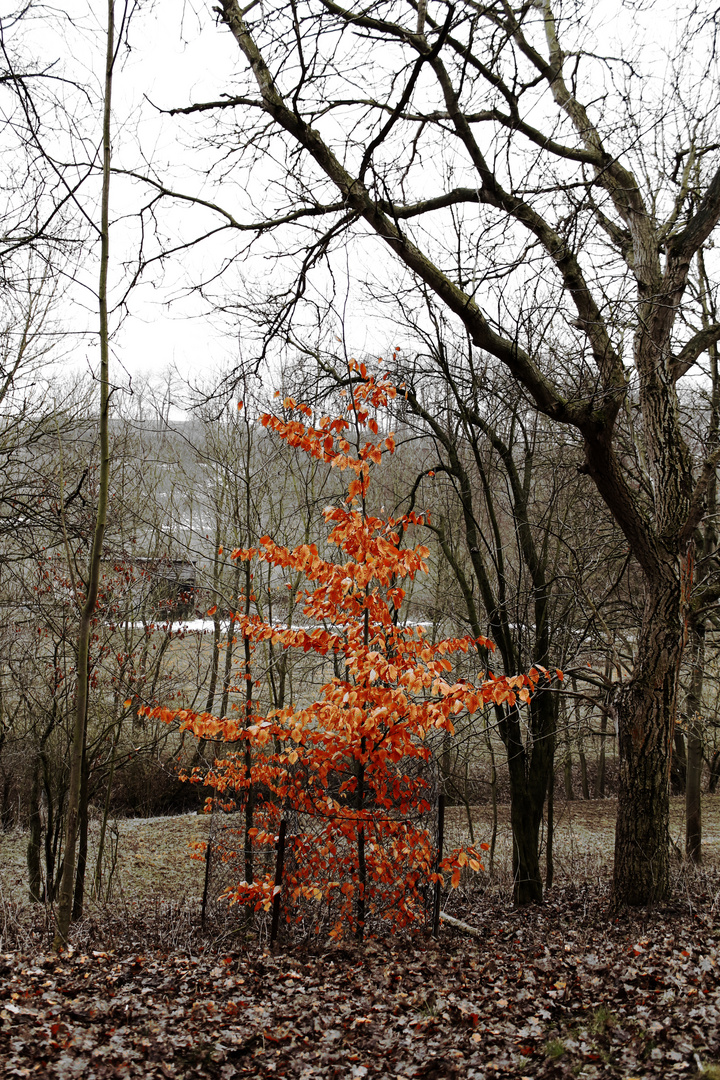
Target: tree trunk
[(35, 837), (714, 773), (79, 897), (527, 880), (705, 565), (465, 796), (646, 709), (217, 629), (693, 708), (493, 802), (249, 791), (530, 768), (567, 762), (585, 787), (229, 648), (549, 864), (678, 766), (88, 609), (693, 801), (600, 776), (362, 868), (53, 828), (567, 777), (97, 880), (583, 773)]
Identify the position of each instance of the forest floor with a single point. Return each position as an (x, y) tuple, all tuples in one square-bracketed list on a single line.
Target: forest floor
[(556, 990)]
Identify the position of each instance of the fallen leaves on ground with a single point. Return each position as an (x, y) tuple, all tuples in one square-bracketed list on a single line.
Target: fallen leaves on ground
[(557, 991)]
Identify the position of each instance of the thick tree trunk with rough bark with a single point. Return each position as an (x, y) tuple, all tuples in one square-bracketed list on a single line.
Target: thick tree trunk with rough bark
[(646, 708), (525, 824)]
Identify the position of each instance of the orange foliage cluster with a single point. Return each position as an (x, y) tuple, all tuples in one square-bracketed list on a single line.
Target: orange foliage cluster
[(352, 763)]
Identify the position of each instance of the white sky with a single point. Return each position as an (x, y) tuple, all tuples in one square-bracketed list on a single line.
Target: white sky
[(180, 56)]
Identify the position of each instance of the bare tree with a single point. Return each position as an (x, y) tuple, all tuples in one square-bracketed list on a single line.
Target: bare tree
[(90, 586), (519, 175), (41, 183), (501, 494), (703, 609)]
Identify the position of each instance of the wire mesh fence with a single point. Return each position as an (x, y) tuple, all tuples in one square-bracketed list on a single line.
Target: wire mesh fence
[(349, 865), (335, 866)]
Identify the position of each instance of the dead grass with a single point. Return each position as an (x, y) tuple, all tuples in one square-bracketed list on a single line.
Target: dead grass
[(583, 831), (154, 860), (155, 857)]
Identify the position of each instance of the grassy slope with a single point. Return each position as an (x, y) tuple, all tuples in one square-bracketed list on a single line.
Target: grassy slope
[(154, 854)]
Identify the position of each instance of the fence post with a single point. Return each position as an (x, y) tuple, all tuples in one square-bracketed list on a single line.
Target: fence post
[(279, 862), (440, 845)]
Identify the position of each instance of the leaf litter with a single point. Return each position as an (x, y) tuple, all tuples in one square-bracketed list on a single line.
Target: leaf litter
[(557, 990)]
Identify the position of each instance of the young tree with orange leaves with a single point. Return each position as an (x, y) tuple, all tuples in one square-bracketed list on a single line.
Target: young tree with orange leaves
[(362, 847)]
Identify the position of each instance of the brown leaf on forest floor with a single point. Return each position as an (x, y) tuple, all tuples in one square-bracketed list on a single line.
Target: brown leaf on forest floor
[(553, 992)]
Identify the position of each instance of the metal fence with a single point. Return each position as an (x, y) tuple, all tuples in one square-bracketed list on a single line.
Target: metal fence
[(336, 869)]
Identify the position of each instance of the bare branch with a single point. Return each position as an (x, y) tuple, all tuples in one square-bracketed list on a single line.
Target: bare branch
[(694, 348)]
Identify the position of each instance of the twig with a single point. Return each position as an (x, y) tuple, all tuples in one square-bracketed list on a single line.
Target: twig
[(458, 924)]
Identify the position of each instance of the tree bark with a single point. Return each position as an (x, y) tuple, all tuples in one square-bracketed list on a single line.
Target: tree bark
[(568, 765), (52, 830), (98, 878), (529, 770), (678, 767), (646, 709), (550, 832), (580, 743), (693, 800), (493, 803), (217, 629), (35, 837), (584, 775), (600, 775), (79, 895), (714, 773), (693, 708)]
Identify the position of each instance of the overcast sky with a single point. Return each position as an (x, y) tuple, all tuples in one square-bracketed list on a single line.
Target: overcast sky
[(178, 54)]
